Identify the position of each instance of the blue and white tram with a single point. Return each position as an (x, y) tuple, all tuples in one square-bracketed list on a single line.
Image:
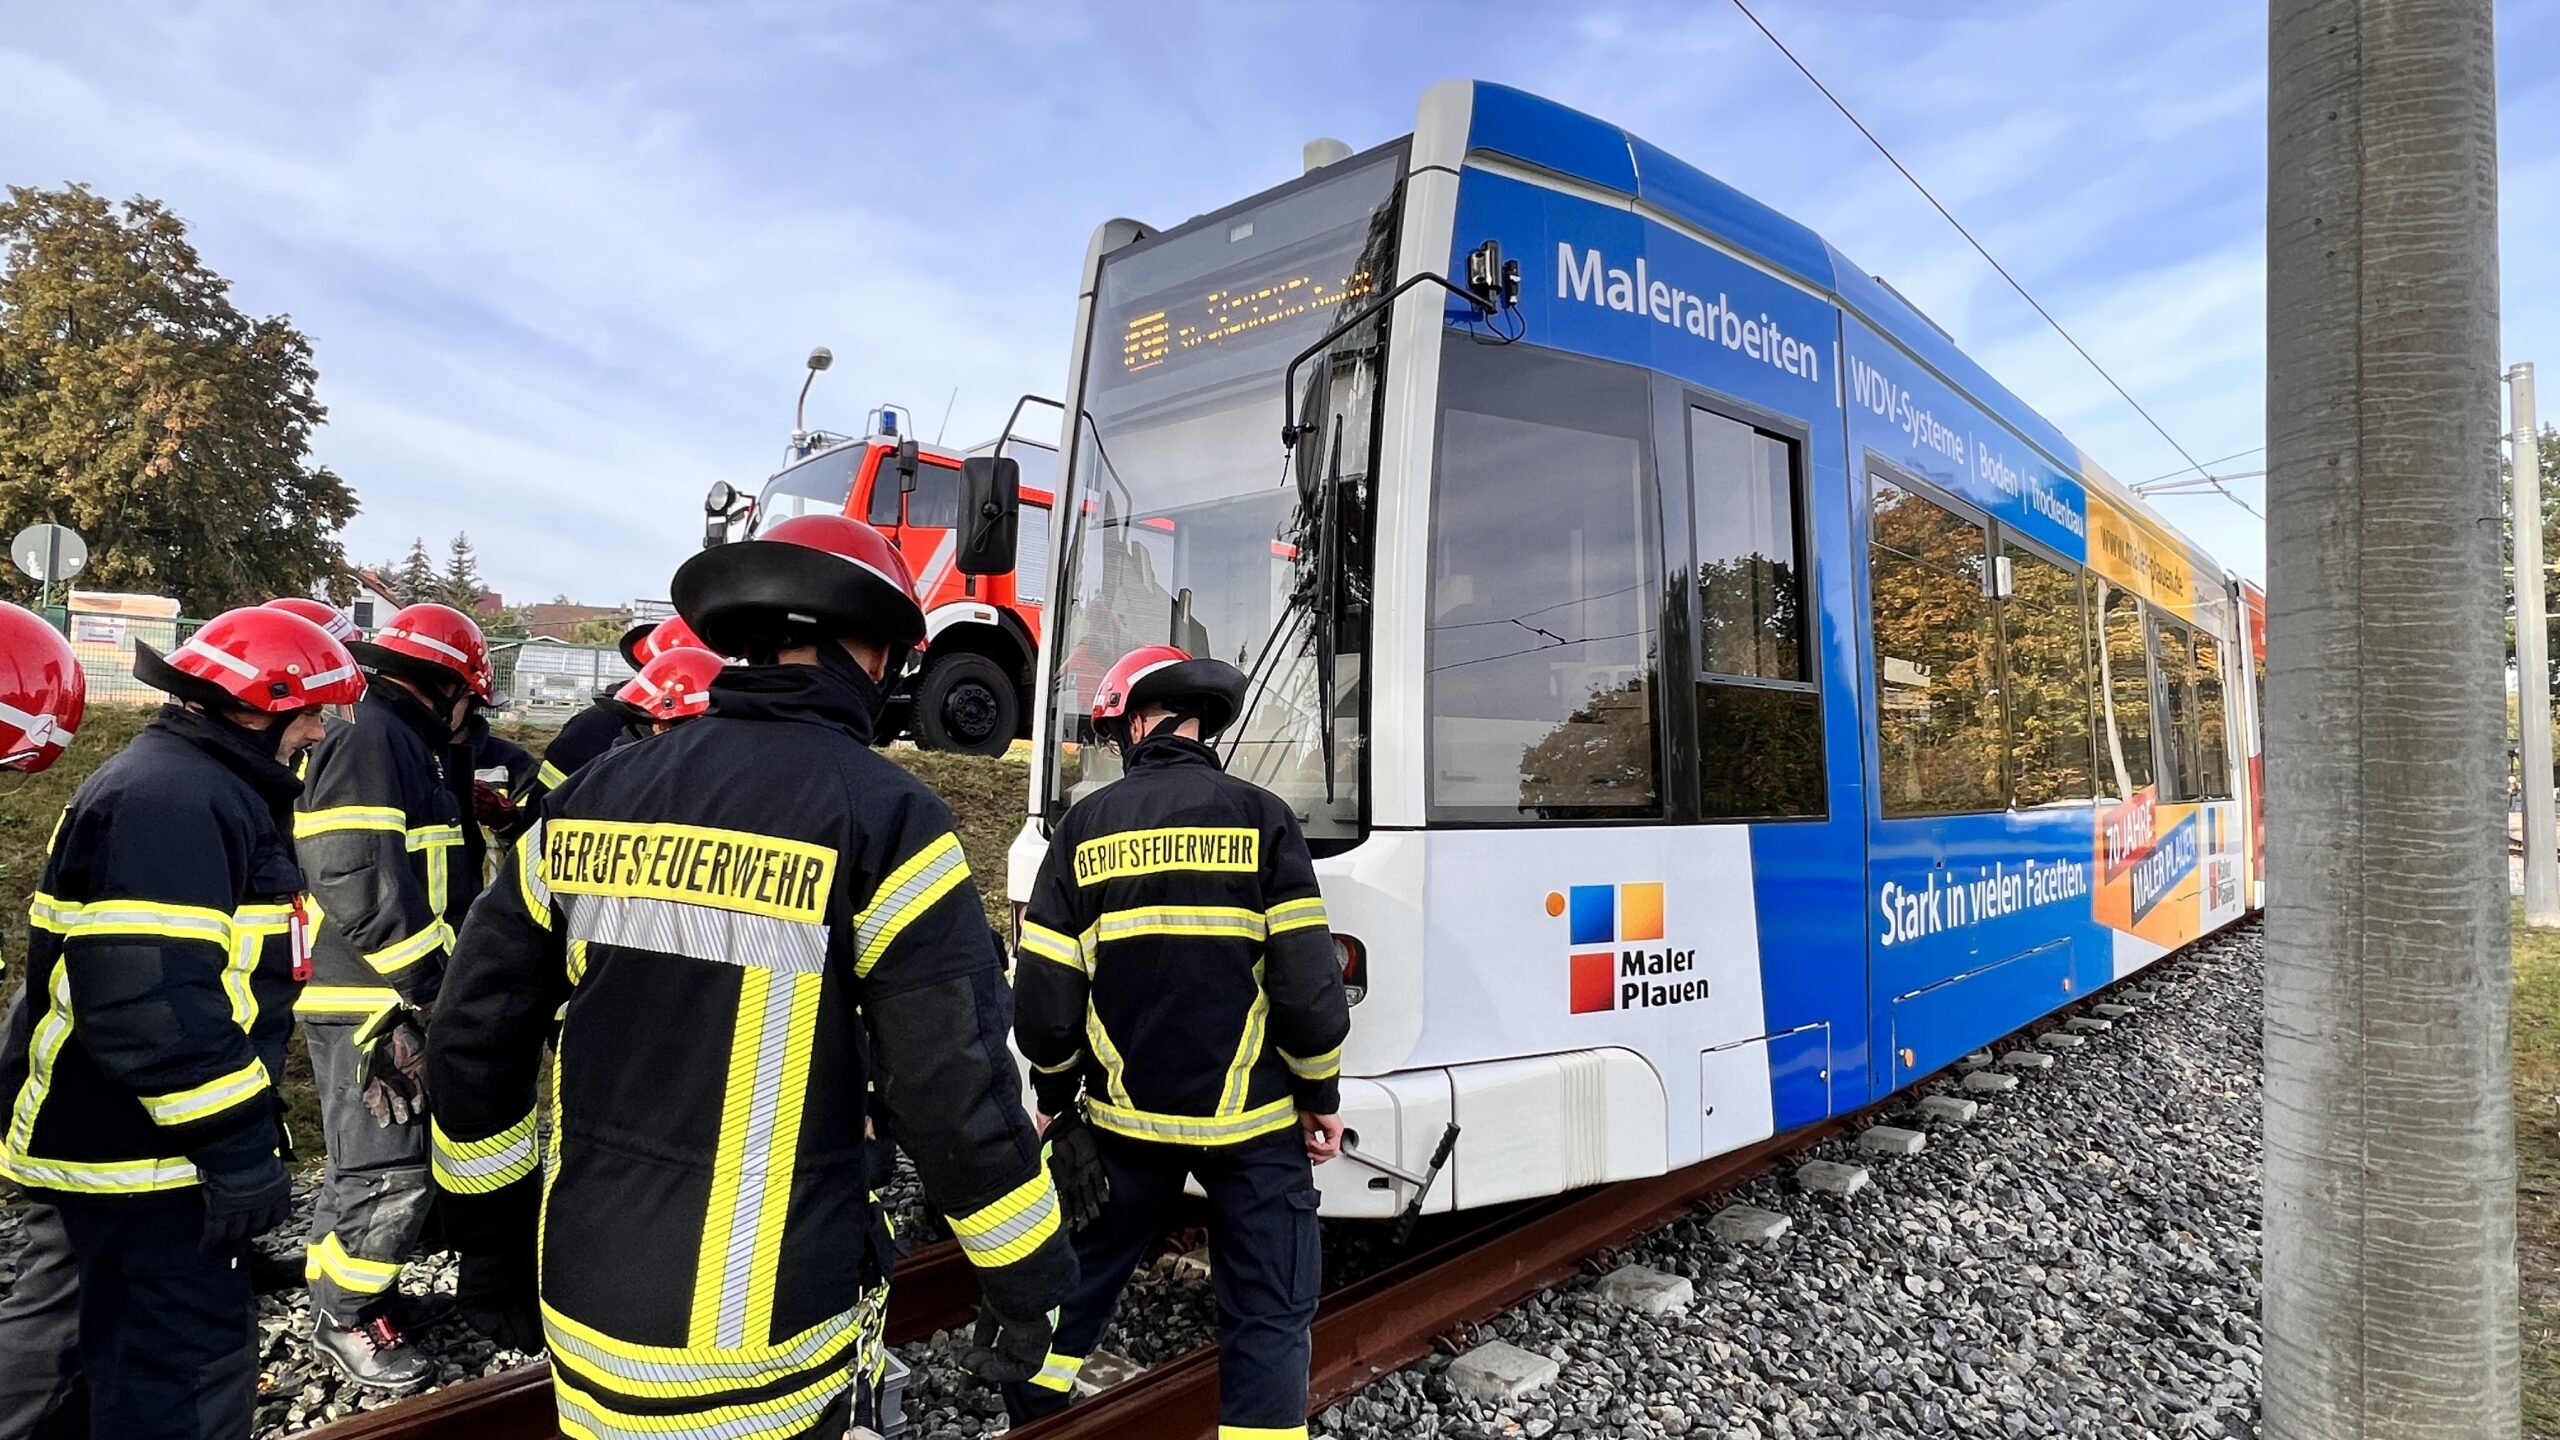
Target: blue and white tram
[(1713, 700)]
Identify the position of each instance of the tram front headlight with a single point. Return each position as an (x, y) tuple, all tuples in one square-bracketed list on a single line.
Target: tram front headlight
[(1355, 966)]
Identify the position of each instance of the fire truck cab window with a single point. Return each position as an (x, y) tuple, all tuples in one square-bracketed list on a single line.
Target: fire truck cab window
[(936, 499)]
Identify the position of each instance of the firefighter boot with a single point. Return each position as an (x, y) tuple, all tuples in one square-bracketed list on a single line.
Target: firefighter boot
[(373, 1355)]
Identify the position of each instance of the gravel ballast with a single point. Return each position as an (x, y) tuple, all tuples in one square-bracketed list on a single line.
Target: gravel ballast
[(2079, 1259)]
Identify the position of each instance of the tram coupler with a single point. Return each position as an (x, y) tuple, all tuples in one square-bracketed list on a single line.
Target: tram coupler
[(1421, 1183)]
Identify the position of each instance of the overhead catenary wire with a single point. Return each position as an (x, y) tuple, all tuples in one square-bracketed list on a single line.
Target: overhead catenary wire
[(1980, 249)]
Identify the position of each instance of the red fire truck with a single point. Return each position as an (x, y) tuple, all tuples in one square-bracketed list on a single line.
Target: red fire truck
[(969, 688)]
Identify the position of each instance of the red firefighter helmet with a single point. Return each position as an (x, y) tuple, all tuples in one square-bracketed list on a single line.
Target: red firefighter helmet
[(829, 574), (1208, 690), (430, 643), (259, 656), (42, 691), (340, 625), (648, 640), (674, 686)]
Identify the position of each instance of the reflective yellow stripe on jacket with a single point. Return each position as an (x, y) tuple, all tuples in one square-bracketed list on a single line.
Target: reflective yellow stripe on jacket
[(910, 890), (1011, 1227), (475, 1167), (199, 1102), (388, 819), (1280, 1114)]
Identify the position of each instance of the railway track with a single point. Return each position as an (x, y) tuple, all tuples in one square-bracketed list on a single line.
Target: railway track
[(1363, 1331)]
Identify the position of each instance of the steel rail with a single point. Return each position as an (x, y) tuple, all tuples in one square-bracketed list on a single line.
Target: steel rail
[(935, 1289), (1393, 1318), (1362, 1331)]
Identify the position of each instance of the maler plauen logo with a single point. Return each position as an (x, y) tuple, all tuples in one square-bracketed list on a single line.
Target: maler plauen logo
[(1626, 977)]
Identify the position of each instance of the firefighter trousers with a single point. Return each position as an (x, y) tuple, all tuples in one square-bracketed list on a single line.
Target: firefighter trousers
[(374, 1195), (40, 1391), (1265, 1263), (168, 1334)]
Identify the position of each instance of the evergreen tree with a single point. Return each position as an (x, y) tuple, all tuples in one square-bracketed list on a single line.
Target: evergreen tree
[(416, 579), (462, 576)]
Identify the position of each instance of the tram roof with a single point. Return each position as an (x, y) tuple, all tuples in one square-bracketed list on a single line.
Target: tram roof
[(1541, 133)]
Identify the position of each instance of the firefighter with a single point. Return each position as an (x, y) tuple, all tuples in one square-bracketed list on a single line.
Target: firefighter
[(379, 829), (610, 721), (42, 694), (743, 924), (166, 942), (673, 687), (328, 617), (1176, 930)]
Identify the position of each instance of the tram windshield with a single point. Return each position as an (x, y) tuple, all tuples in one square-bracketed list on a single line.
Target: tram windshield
[(1184, 525)]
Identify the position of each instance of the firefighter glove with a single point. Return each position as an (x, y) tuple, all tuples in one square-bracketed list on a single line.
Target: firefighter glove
[(394, 1045), (1075, 1165), (1006, 1350), (246, 1193), (497, 1293), (493, 807)]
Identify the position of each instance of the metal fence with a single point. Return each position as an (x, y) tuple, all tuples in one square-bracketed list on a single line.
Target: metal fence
[(102, 639), (542, 682)]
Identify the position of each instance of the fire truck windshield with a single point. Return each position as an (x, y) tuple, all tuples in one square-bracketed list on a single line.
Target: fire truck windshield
[(815, 486), (1182, 524)]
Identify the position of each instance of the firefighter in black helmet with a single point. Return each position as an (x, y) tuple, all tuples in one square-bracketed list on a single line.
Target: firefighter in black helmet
[(1182, 1010), (744, 924)]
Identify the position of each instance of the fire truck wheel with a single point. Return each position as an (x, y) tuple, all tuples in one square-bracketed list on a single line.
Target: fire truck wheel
[(967, 703)]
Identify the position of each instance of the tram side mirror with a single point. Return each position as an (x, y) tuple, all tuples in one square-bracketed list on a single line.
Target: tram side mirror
[(990, 506)]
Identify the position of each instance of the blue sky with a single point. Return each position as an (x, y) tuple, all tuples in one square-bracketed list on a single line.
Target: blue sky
[(561, 261)]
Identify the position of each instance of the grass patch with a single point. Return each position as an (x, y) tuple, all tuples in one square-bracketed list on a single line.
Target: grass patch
[(2537, 1101)]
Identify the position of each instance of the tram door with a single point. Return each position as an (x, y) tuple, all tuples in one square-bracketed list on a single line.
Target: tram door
[(1771, 739)]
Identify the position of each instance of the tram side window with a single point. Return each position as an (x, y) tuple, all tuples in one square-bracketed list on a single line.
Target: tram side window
[(2124, 690), (1759, 716), (2177, 668), (1939, 738), (2213, 724), (1545, 596), (2044, 639)]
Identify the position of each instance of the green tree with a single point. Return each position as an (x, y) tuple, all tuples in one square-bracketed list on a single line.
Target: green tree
[(414, 580), (2549, 453), (602, 630), (462, 576), (139, 406)]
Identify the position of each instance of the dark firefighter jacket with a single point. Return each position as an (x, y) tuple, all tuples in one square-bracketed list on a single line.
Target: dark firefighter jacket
[(588, 734), (473, 751), (380, 832), (751, 919), (1175, 963), (159, 968)]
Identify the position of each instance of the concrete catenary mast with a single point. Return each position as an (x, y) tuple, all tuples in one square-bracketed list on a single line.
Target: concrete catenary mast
[(2390, 1140)]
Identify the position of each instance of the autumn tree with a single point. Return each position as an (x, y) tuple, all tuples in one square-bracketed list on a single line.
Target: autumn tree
[(142, 408)]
